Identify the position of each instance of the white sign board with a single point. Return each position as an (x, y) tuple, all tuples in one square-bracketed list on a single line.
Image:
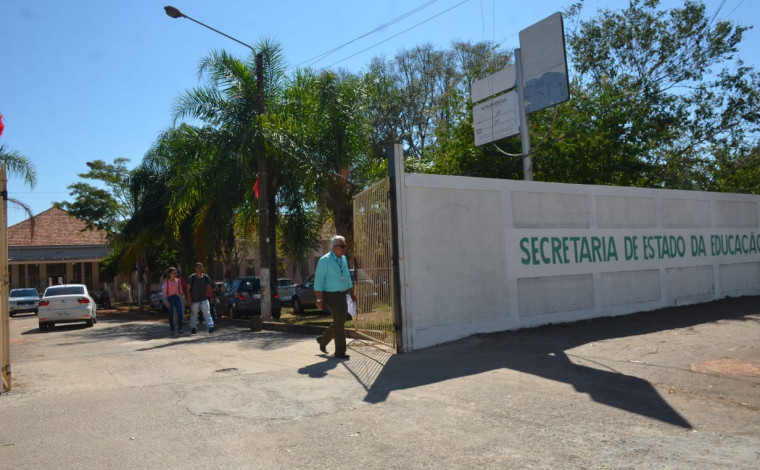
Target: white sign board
[(544, 66), (496, 119), (494, 84)]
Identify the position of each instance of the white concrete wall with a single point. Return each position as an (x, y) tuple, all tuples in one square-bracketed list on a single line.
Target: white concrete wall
[(481, 255)]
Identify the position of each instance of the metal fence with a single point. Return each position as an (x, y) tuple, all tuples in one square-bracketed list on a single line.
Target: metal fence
[(373, 259)]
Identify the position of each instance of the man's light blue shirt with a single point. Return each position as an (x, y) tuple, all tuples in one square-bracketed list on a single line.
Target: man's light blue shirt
[(332, 274)]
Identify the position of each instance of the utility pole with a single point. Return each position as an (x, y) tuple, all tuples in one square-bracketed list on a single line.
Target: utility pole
[(264, 268), (264, 275)]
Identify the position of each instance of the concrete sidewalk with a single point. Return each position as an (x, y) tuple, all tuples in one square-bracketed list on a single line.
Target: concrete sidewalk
[(677, 388)]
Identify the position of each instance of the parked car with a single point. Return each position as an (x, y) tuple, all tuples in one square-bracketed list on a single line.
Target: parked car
[(102, 299), (243, 298), (285, 287), (364, 287), (157, 301), (67, 303), (23, 301), (304, 296)]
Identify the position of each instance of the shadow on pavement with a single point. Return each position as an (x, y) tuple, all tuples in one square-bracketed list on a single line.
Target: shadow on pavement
[(152, 328), (541, 352)]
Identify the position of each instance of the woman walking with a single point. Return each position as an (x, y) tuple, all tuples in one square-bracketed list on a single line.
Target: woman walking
[(173, 300)]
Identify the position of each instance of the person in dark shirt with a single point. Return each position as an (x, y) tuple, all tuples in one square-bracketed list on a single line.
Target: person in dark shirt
[(198, 289)]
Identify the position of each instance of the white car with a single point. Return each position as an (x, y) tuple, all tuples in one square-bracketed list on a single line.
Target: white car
[(67, 303), (23, 301)]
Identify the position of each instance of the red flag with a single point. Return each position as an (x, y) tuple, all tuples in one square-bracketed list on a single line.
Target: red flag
[(256, 188), (2, 126)]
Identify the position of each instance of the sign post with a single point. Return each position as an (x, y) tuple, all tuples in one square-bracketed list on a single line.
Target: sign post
[(540, 76), (5, 340)]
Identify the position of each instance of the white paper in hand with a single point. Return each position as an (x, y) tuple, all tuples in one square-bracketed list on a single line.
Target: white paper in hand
[(351, 306)]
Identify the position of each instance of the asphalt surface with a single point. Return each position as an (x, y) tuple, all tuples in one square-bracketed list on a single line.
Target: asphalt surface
[(678, 388)]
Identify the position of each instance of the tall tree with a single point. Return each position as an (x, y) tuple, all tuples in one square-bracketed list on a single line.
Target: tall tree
[(655, 97), (227, 163), (421, 98), (106, 207), (329, 127)]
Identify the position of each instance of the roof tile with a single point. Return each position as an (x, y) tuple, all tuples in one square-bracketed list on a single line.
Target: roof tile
[(54, 227)]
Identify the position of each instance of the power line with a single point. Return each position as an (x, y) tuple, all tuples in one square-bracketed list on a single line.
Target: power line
[(323, 55), (398, 34)]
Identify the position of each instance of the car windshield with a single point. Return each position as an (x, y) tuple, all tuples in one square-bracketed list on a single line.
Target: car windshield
[(64, 290), (284, 282), (24, 293)]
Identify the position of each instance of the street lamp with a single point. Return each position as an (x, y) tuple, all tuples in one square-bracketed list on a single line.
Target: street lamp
[(266, 291)]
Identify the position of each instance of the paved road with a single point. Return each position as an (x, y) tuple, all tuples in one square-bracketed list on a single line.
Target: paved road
[(673, 389)]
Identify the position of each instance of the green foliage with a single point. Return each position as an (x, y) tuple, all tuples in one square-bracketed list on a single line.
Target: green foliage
[(328, 153), (421, 99), (104, 207), (646, 107), (18, 165)]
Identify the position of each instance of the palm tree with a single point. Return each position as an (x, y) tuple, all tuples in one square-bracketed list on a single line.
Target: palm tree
[(333, 156), (225, 161), (18, 165)]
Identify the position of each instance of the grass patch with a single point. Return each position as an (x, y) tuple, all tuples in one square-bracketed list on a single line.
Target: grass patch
[(309, 317)]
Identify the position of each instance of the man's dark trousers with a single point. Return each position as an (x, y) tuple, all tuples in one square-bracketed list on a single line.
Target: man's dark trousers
[(338, 307)]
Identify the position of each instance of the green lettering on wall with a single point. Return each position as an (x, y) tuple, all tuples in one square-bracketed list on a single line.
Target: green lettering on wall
[(631, 246), (585, 250), (611, 249), (698, 246), (524, 248)]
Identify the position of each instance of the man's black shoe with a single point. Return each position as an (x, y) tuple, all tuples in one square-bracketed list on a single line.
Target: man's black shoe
[(192, 332), (321, 347), (341, 356), (212, 329)]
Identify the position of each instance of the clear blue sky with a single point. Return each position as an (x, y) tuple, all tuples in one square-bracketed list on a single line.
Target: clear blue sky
[(89, 79)]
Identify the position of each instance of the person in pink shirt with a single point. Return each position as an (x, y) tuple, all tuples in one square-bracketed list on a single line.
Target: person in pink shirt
[(172, 291)]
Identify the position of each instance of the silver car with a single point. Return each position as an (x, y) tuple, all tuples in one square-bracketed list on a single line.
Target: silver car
[(23, 301), (305, 298), (286, 288), (67, 303)]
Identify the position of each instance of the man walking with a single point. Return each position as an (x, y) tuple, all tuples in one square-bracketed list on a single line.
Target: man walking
[(197, 290), (332, 281)]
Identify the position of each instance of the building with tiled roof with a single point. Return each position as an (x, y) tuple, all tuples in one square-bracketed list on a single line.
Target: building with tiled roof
[(59, 249)]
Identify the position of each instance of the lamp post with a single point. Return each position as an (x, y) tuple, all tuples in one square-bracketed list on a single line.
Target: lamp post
[(266, 291)]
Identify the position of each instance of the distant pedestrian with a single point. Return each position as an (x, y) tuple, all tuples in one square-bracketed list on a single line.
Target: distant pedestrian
[(332, 281), (172, 293), (198, 289)]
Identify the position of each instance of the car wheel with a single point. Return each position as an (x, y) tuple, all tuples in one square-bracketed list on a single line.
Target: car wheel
[(297, 306), (11, 314), (276, 314), (43, 326), (89, 323)]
